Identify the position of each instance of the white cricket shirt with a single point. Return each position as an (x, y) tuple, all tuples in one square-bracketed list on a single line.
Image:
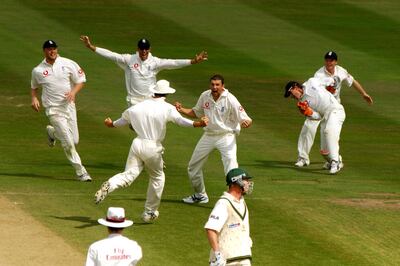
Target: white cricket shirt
[(116, 250), (149, 118), (225, 114), (230, 219), (140, 75), (339, 72), (56, 80), (318, 98)]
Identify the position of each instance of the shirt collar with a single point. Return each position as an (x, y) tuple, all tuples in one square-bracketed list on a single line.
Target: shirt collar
[(114, 235), (329, 73), (223, 94), (232, 198), (45, 62)]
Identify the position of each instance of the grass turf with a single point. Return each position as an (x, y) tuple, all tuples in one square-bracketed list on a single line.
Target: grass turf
[(297, 215)]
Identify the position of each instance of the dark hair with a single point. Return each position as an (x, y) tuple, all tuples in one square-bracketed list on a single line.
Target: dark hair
[(160, 95), (217, 77), (114, 229)]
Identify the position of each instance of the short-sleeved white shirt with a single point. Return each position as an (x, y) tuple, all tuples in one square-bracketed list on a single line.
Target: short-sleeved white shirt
[(318, 98), (116, 250), (140, 76), (219, 215), (56, 80), (149, 118), (225, 114), (340, 72)]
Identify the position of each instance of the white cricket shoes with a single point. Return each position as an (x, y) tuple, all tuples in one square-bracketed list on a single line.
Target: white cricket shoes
[(327, 165), (51, 141), (335, 167), (301, 163), (201, 198), (85, 178), (150, 216), (102, 192)]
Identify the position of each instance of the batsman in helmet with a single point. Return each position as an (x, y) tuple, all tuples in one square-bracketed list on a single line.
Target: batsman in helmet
[(227, 228)]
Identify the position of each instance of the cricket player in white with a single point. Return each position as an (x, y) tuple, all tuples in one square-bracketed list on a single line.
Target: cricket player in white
[(116, 249), (141, 67), (60, 79), (226, 117), (227, 228), (317, 103), (307, 134), (149, 120)]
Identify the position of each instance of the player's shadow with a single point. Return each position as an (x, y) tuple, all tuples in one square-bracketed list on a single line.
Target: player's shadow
[(38, 176), (180, 202), (86, 221), (288, 165)]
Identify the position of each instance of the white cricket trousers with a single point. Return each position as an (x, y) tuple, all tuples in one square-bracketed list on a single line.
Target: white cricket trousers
[(306, 138), (143, 153), (331, 126), (64, 121), (225, 144)]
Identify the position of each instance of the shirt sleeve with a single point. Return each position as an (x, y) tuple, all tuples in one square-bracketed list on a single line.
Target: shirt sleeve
[(120, 122), (171, 63), (91, 257), (348, 78), (177, 118), (237, 110), (120, 59), (198, 108), (34, 82), (218, 216), (78, 76), (139, 253)]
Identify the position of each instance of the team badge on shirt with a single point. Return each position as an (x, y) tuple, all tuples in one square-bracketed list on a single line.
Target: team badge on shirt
[(233, 225)]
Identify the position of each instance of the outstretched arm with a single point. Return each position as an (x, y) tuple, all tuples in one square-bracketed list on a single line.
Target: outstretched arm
[(356, 85), (117, 123), (118, 58)]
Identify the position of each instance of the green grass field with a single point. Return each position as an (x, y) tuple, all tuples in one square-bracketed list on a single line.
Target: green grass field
[(297, 216)]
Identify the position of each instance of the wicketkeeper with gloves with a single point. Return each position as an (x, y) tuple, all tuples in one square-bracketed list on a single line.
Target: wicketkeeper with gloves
[(227, 228)]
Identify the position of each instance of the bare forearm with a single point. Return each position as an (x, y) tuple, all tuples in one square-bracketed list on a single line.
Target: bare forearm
[(213, 239), (356, 85), (188, 112), (77, 88)]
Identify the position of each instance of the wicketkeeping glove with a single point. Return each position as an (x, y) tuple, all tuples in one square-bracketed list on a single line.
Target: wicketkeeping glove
[(219, 260), (304, 108)]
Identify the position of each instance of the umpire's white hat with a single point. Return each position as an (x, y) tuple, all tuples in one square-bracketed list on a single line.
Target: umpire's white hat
[(162, 87), (115, 218)]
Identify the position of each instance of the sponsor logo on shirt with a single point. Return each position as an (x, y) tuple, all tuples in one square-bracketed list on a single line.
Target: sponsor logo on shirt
[(45, 73), (241, 109), (233, 225), (118, 255), (206, 105), (136, 65), (80, 72), (212, 216)]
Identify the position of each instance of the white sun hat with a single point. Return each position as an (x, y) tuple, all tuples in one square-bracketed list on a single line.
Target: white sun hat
[(115, 218), (162, 87)]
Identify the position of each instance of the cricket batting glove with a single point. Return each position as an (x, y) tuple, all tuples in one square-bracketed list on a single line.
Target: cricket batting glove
[(219, 260)]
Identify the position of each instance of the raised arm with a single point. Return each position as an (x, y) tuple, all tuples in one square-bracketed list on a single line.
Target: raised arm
[(118, 58), (185, 111)]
